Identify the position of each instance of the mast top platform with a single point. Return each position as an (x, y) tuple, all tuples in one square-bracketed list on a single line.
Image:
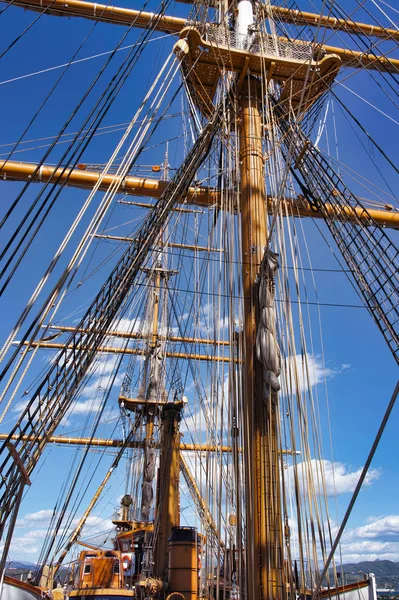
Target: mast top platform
[(204, 56)]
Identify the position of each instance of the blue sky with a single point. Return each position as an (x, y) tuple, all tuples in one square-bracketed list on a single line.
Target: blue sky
[(358, 368)]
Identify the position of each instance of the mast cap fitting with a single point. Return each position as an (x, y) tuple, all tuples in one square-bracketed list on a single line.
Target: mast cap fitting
[(181, 48), (127, 500)]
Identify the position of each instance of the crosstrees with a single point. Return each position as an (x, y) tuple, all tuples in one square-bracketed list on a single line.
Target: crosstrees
[(371, 256)]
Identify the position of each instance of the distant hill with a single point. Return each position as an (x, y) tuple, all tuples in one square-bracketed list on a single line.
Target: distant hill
[(21, 569), (386, 572), (19, 564)]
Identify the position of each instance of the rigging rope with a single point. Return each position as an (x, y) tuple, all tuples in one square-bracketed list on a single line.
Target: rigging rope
[(88, 236), (359, 484), (100, 109), (369, 253), (53, 397), (85, 59)]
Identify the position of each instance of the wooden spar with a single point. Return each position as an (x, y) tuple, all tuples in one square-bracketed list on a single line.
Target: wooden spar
[(153, 188), (137, 351), (112, 443), (138, 336), (124, 16), (297, 17), (136, 186), (103, 12), (149, 205), (119, 238)]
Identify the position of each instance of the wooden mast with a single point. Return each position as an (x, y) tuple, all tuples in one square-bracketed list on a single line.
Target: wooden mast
[(264, 553), (150, 408), (168, 489)]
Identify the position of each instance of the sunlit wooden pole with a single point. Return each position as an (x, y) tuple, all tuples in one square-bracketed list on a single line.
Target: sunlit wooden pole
[(201, 196), (151, 408), (264, 552), (168, 494)]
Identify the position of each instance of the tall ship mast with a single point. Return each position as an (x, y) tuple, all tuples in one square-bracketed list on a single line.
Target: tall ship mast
[(163, 354)]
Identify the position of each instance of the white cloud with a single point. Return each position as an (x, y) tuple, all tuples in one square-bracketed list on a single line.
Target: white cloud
[(211, 322), (377, 539), (85, 407), (354, 557), (100, 384), (304, 371), (387, 526), (124, 326), (39, 517), (339, 478), (28, 543), (101, 373), (20, 406), (307, 369)]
